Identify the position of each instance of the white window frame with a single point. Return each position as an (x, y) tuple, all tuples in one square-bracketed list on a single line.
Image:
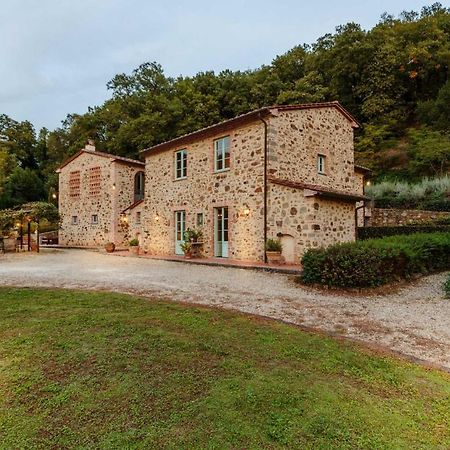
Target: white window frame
[(181, 156), (94, 221), (74, 220), (321, 164), (221, 149)]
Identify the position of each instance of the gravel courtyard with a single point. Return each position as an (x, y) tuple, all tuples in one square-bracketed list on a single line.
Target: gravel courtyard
[(414, 321)]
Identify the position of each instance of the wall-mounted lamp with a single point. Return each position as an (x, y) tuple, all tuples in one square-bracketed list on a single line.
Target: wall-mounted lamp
[(54, 196), (114, 186), (18, 224), (246, 210), (157, 217), (368, 183)]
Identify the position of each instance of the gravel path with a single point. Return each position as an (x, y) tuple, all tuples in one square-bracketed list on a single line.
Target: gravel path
[(414, 321)]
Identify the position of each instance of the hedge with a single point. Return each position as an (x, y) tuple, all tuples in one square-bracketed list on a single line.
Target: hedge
[(379, 232), (430, 204), (375, 262)]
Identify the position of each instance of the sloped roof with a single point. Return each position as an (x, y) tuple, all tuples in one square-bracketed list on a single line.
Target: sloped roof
[(321, 190), (245, 118), (132, 206), (112, 157)]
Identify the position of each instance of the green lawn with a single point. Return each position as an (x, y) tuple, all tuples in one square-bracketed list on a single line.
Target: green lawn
[(100, 370)]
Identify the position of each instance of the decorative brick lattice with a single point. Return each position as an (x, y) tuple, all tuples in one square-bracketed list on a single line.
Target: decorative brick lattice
[(74, 184), (95, 178)]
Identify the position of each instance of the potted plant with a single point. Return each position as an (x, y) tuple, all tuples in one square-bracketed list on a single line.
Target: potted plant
[(134, 246), (186, 246), (273, 251), (110, 247), (194, 238)]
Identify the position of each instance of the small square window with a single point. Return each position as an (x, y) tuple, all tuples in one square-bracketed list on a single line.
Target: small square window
[(94, 219), (321, 164), (181, 164), (200, 219), (74, 220), (138, 218)]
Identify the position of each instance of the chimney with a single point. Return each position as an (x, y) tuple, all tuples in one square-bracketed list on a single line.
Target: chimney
[(90, 146)]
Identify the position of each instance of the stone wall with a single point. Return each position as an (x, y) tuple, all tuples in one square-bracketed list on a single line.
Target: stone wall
[(297, 137), (295, 140), (379, 217), (239, 188), (312, 221), (113, 195)]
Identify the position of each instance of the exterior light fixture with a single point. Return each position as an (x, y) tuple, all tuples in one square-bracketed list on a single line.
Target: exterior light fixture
[(157, 217), (368, 183), (114, 186), (18, 224), (54, 196), (246, 210)]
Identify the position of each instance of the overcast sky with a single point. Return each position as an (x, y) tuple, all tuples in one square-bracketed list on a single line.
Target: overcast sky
[(56, 56)]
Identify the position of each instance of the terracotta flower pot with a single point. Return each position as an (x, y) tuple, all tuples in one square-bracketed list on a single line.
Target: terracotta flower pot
[(134, 250), (274, 257), (110, 247)]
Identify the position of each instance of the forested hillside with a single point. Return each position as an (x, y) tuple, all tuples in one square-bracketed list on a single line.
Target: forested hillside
[(394, 78)]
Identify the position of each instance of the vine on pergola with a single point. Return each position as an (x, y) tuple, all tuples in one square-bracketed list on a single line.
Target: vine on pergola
[(29, 212)]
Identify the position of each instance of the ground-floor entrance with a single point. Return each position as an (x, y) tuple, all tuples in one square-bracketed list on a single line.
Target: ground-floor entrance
[(180, 228), (221, 232)]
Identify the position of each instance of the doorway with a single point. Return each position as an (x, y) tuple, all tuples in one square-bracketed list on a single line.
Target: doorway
[(180, 228), (221, 232)]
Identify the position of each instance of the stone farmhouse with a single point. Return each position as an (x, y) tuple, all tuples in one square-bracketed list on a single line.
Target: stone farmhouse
[(283, 172)]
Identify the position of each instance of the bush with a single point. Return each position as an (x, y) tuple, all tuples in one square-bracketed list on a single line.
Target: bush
[(379, 232), (134, 242), (377, 261), (429, 194), (273, 245), (447, 287)]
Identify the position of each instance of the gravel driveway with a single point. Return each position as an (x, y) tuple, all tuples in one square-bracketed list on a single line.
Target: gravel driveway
[(414, 321)]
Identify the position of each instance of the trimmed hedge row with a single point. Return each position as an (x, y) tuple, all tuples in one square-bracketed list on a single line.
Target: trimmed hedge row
[(430, 204), (377, 261), (379, 232)]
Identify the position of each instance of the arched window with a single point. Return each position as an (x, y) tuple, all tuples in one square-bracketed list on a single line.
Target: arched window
[(139, 182)]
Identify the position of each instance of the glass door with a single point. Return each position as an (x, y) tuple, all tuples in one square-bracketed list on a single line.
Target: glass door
[(221, 232), (180, 228)]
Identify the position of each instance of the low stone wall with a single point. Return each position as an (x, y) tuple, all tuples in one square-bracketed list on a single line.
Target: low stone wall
[(394, 217)]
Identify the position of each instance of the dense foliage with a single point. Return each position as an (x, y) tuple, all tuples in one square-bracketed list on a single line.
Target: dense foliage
[(394, 78), (447, 287), (377, 261), (429, 194), (379, 232), (36, 212)]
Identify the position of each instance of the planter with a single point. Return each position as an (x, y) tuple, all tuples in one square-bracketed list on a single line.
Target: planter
[(274, 257), (110, 247), (134, 250)]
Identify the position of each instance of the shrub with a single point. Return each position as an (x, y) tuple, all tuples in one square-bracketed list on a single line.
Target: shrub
[(429, 194), (447, 287), (134, 243), (377, 261), (273, 245), (379, 232)]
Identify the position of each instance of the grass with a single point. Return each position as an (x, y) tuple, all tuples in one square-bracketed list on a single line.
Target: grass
[(100, 370)]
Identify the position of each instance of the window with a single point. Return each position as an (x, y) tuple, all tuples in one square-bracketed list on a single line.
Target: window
[(199, 219), (139, 186), (222, 154), (181, 164), (74, 184), (74, 220), (94, 219), (95, 175), (138, 217), (321, 164)]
